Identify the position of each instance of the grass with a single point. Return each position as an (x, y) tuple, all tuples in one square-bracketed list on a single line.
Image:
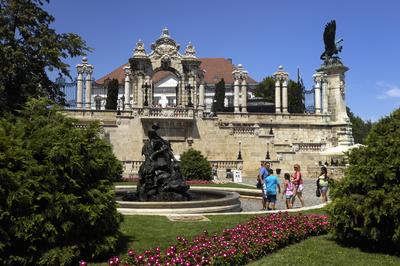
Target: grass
[(146, 232), (323, 250)]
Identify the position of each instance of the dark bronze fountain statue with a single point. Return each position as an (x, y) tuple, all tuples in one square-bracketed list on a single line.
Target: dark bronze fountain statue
[(160, 177)]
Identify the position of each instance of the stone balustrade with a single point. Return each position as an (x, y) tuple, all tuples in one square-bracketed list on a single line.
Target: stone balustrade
[(233, 165), (187, 113), (308, 147), (132, 167), (243, 131)]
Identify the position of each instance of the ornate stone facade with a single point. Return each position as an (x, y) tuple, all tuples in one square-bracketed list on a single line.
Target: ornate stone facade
[(281, 137)]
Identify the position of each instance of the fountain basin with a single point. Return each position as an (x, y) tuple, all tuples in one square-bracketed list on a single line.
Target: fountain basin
[(205, 200)]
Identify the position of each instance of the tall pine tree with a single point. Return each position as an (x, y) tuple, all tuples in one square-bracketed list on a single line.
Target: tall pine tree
[(295, 97), (112, 94), (219, 97)]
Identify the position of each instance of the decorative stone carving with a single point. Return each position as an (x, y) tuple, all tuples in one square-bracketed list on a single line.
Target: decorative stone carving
[(140, 51), (281, 74), (190, 52), (165, 46)]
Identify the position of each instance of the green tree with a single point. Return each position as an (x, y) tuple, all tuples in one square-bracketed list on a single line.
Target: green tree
[(195, 166), (365, 208), (218, 104), (266, 89), (112, 94), (29, 48), (56, 197), (295, 97), (360, 127)]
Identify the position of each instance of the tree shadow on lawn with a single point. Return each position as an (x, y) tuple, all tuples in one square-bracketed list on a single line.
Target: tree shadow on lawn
[(367, 246)]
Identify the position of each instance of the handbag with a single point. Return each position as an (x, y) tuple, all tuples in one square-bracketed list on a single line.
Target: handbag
[(318, 193), (258, 185)]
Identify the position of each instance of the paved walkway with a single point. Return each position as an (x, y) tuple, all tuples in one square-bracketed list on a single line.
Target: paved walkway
[(309, 197)]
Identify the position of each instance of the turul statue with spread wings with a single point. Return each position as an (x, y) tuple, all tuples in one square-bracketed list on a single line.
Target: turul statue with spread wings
[(332, 47)]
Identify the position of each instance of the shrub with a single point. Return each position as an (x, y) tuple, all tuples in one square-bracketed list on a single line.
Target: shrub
[(56, 199), (195, 166), (365, 209)]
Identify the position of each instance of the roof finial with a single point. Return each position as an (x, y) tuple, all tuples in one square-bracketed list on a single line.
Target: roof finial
[(165, 33)]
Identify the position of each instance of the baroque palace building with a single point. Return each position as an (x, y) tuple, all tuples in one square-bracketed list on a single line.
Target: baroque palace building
[(176, 90)]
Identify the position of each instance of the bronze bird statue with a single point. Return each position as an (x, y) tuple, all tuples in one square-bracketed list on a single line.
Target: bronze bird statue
[(332, 47)]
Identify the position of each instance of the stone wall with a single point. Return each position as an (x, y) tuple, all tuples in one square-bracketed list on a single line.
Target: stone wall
[(294, 138)]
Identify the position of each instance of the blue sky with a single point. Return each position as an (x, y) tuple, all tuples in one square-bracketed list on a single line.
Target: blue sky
[(261, 35)]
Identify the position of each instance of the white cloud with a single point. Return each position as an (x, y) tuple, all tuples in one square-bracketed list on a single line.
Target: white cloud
[(391, 91)]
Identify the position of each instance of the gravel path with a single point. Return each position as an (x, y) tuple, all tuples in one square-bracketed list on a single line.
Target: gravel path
[(308, 195)]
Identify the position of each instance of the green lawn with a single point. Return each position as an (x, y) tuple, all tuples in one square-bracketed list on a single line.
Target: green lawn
[(145, 232), (323, 250)]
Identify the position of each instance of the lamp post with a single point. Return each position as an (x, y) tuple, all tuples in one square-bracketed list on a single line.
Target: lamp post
[(271, 132), (267, 157), (239, 157)]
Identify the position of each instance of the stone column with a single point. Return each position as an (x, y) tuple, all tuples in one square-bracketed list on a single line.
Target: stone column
[(201, 95), (284, 96), (79, 92), (236, 88), (324, 95), (140, 99), (183, 93), (150, 99), (88, 96), (335, 90), (281, 77), (127, 93), (317, 92), (277, 96), (194, 93), (244, 96)]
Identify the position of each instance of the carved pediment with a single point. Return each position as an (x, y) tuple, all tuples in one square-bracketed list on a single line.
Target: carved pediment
[(165, 46)]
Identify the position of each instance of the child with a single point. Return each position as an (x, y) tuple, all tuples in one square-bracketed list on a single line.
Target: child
[(288, 189)]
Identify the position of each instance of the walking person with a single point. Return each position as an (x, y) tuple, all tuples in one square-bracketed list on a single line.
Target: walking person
[(271, 183), (298, 185), (262, 173), (323, 184), (288, 191)]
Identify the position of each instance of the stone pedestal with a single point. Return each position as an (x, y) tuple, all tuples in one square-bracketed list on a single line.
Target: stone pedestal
[(335, 90)]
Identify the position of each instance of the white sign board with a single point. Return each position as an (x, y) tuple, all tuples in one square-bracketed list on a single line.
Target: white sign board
[(237, 176)]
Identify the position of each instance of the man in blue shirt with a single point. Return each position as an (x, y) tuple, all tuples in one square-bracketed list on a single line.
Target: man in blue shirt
[(262, 173), (271, 183)]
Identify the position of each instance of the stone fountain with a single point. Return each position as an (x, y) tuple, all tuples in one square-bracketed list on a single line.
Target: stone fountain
[(162, 188)]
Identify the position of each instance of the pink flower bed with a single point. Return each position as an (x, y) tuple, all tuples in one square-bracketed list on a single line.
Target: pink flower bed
[(198, 182), (237, 246)]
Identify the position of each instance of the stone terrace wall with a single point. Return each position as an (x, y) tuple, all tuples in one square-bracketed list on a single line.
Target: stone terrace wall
[(295, 138)]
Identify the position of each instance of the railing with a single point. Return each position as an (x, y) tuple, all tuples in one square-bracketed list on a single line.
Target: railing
[(308, 147), (222, 164), (243, 131), (160, 112), (132, 167)]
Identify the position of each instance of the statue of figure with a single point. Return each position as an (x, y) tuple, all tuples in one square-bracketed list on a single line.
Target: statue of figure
[(160, 178), (332, 46)]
